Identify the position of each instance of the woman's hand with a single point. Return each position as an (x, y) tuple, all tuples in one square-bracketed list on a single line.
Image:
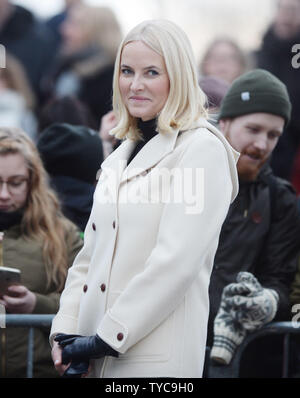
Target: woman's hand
[(57, 359), (20, 300), (60, 367)]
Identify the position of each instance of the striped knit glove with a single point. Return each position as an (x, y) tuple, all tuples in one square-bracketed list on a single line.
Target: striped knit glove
[(228, 333), (245, 306), (254, 305)]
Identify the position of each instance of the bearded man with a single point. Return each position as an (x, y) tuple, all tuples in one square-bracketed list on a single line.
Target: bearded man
[(256, 258)]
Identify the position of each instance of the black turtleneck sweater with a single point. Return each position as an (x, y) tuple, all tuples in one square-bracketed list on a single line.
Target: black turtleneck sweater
[(148, 131)]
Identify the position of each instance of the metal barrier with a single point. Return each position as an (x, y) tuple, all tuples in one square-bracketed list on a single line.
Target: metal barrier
[(31, 321), (213, 371), (274, 328)]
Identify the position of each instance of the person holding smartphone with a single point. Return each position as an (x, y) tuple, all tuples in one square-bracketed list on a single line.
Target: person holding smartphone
[(36, 239)]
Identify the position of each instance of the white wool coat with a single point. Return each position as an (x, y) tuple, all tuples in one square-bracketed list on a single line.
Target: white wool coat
[(141, 279)]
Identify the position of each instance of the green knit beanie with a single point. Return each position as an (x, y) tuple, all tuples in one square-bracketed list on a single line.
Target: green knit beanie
[(256, 91)]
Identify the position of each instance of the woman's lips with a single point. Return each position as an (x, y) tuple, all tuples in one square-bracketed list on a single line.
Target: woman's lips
[(4, 208), (137, 98)]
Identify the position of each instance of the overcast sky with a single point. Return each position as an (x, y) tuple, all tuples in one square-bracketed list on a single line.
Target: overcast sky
[(202, 20)]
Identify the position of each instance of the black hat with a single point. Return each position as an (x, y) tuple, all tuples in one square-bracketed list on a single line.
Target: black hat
[(74, 151), (256, 91)]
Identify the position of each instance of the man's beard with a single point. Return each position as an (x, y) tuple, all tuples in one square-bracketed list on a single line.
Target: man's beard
[(248, 171)]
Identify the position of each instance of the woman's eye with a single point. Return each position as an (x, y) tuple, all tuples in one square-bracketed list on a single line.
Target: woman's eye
[(125, 71), (152, 72), (16, 183)]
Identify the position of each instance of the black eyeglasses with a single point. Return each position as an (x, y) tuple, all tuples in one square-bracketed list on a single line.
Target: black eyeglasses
[(15, 185)]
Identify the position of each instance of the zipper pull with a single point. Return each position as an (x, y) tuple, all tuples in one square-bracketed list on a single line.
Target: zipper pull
[(245, 213)]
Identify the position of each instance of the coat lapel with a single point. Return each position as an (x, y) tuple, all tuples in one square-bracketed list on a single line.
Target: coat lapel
[(114, 165), (150, 154)]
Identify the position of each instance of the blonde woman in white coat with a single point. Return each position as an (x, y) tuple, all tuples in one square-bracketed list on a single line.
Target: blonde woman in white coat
[(135, 302)]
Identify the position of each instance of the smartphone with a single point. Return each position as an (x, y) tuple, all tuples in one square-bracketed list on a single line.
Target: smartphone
[(8, 276)]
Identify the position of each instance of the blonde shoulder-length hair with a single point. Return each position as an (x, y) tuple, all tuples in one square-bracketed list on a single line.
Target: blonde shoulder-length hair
[(186, 101)]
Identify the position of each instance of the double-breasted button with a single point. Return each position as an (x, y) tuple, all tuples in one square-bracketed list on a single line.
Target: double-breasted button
[(120, 336), (103, 287), (85, 288), (114, 225), (256, 217), (94, 226)]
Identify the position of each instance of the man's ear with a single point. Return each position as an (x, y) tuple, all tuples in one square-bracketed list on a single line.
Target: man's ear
[(224, 126)]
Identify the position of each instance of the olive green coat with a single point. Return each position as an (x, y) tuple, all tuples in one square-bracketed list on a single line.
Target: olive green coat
[(27, 256)]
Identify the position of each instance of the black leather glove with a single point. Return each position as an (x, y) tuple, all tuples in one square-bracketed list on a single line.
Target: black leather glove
[(77, 369), (82, 348)]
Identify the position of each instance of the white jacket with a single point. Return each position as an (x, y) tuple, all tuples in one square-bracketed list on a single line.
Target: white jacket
[(141, 279)]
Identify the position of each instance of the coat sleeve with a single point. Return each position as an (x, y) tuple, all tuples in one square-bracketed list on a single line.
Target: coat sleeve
[(185, 243), (277, 264)]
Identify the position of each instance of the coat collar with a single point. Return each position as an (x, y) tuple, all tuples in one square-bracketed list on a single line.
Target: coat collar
[(156, 149), (150, 154)]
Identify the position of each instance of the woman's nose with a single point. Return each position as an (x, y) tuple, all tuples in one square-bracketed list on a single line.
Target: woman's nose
[(4, 192), (137, 83)]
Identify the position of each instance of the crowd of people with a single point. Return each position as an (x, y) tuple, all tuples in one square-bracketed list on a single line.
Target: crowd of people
[(64, 115)]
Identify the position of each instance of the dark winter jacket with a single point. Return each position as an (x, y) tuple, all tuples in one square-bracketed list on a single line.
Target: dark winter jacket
[(276, 55), (87, 75), (55, 23), (76, 198), (31, 42), (261, 235)]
